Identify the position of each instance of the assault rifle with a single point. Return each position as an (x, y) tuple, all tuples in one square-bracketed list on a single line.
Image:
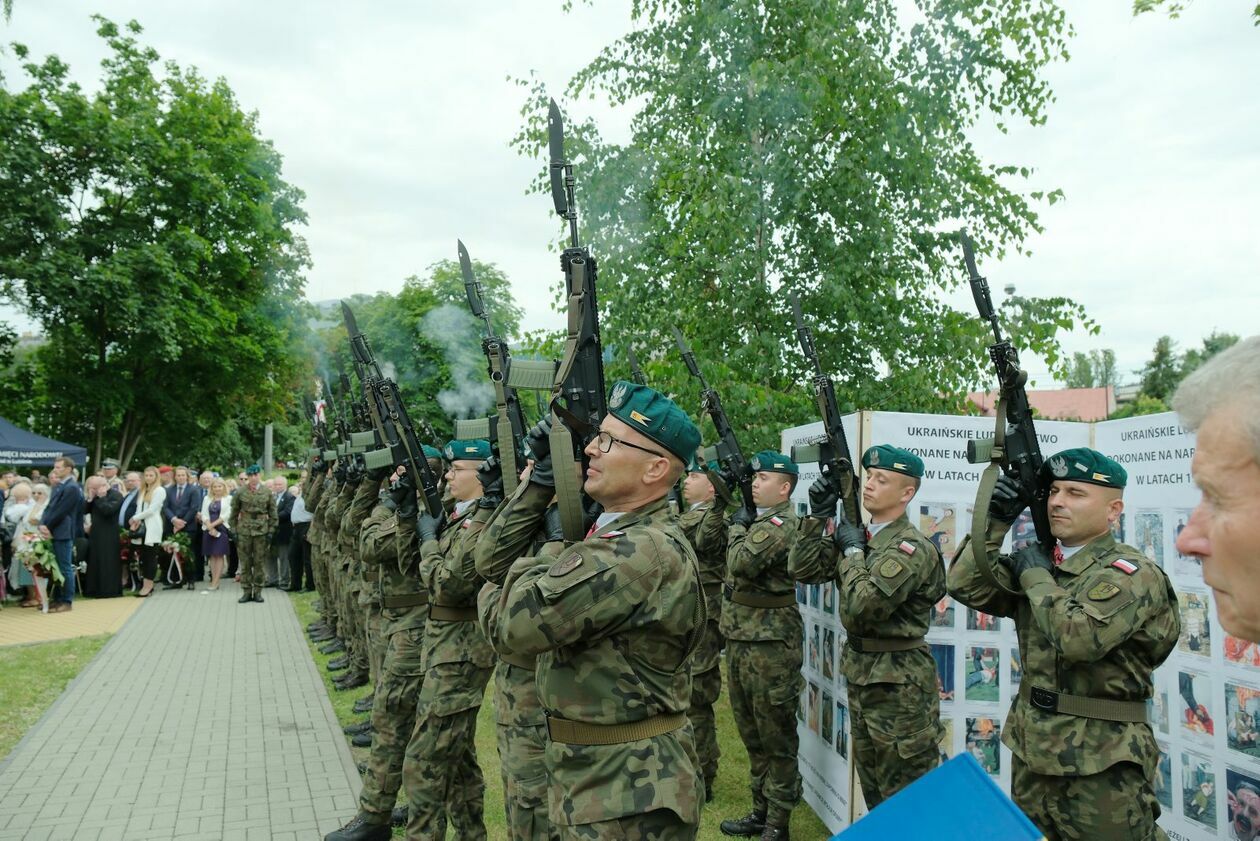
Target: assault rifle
[(507, 428), (833, 450), (729, 455), (579, 401), (397, 434), (1013, 449)]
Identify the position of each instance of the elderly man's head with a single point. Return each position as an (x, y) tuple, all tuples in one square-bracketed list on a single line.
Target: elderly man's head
[(1221, 401)]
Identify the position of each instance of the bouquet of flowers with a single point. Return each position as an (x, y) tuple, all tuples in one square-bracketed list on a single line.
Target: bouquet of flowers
[(179, 547), (36, 554)]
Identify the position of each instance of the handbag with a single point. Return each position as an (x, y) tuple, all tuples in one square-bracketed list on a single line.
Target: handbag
[(137, 534)]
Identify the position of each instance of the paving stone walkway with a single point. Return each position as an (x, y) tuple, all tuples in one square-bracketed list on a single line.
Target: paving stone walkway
[(201, 719)]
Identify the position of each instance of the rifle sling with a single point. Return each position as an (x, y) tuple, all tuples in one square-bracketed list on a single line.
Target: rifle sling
[(567, 468), (503, 431), (984, 495)]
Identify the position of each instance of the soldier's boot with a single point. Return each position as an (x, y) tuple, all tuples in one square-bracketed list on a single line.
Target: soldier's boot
[(362, 766), (362, 740), (775, 833), (364, 726), (399, 817), (353, 680), (317, 625), (258, 597), (338, 664), (333, 647), (360, 830), (245, 598), (323, 636), (364, 704), (752, 824)]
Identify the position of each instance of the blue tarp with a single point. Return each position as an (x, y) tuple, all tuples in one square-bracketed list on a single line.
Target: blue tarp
[(21, 448), (956, 802)]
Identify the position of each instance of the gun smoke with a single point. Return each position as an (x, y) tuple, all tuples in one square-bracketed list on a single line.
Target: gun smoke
[(455, 331)]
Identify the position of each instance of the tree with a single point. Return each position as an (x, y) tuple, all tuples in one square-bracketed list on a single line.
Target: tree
[(148, 230), (1212, 345), (1162, 373), (1174, 8), (1093, 370), (813, 148)]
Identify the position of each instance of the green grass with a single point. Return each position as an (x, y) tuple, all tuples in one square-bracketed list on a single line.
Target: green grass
[(731, 797), (31, 678)]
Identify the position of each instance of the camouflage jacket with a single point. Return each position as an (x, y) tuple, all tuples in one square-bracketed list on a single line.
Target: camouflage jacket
[(312, 497), (757, 564), (712, 574), (1089, 628), (253, 512), (378, 548), (614, 621), (889, 594), (333, 519), (446, 571)]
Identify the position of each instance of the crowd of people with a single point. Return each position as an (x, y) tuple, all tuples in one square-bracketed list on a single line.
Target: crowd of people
[(119, 533)]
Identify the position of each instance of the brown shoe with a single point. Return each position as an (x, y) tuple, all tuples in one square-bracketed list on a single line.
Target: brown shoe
[(61, 607), (30, 603)]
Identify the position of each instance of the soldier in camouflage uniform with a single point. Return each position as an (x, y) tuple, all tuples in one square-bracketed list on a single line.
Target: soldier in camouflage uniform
[(888, 583), (362, 496), (1094, 618), (252, 521), (706, 672), (763, 631), (440, 773), (518, 713), (313, 494), (614, 622)]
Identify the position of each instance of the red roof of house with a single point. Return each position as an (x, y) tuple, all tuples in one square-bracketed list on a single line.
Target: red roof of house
[(1084, 404)]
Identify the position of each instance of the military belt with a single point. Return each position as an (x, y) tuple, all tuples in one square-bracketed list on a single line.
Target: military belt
[(757, 599), (1059, 702), (443, 613), (521, 661), (584, 733), (405, 600), (869, 645)]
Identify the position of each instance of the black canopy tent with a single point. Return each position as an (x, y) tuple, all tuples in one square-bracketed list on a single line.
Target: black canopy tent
[(26, 449)]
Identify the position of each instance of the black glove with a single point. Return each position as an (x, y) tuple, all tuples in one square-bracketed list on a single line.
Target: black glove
[(849, 537), (318, 465), (403, 493), (376, 474), (552, 527), (387, 502), (1031, 556), (743, 517), (426, 527), (539, 439), (1008, 500), (823, 496), (339, 472), (490, 475), (354, 474)]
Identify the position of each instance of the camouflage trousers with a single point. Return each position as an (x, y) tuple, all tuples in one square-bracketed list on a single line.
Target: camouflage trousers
[(319, 566), (1115, 805), (393, 719), (355, 637), (252, 550), (659, 825), (440, 772), (522, 762), (896, 729), (706, 686), (765, 689), (377, 643)]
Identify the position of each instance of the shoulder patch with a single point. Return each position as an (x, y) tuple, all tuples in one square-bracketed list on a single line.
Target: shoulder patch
[(1125, 566), (907, 547), (890, 568), (564, 566), (760, 536), (1103, 591), (776, 520)]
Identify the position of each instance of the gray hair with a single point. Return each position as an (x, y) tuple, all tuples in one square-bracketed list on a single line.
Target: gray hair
[(1229, 379)]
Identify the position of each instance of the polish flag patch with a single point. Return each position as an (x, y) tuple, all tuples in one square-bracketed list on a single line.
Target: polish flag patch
[(777, 521), (907, 547), (1127, 567), (609, 534)]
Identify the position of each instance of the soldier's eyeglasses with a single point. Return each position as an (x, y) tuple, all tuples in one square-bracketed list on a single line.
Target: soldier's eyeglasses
[(607, 439)]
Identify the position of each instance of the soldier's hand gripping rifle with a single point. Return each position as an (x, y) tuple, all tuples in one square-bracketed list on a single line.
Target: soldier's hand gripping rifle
[(834, 460), (508, 428), (1013, 449), (397, 434), (579, 401), (730, 456)]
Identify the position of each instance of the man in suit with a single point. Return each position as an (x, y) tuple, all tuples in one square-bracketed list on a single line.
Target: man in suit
[(63, 522), (131, 481), (278, 561), (182, 505)]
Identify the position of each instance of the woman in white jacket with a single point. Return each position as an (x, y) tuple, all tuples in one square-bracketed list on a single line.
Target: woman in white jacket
[(149, 517), (215, 509)]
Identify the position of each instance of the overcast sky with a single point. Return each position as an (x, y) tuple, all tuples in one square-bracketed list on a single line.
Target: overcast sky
[(395, 119)]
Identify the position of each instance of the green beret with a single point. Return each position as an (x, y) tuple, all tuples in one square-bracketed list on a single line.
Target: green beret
[(1081, 464), (431, 452), (772, 462), (252, 469), (648, 411), (888, 457), (468, 449)]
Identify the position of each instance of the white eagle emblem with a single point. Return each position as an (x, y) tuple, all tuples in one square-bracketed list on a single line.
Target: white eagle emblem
[(874, 458), (756, 464), (450, 452), (1058, 466), (618, 396)]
